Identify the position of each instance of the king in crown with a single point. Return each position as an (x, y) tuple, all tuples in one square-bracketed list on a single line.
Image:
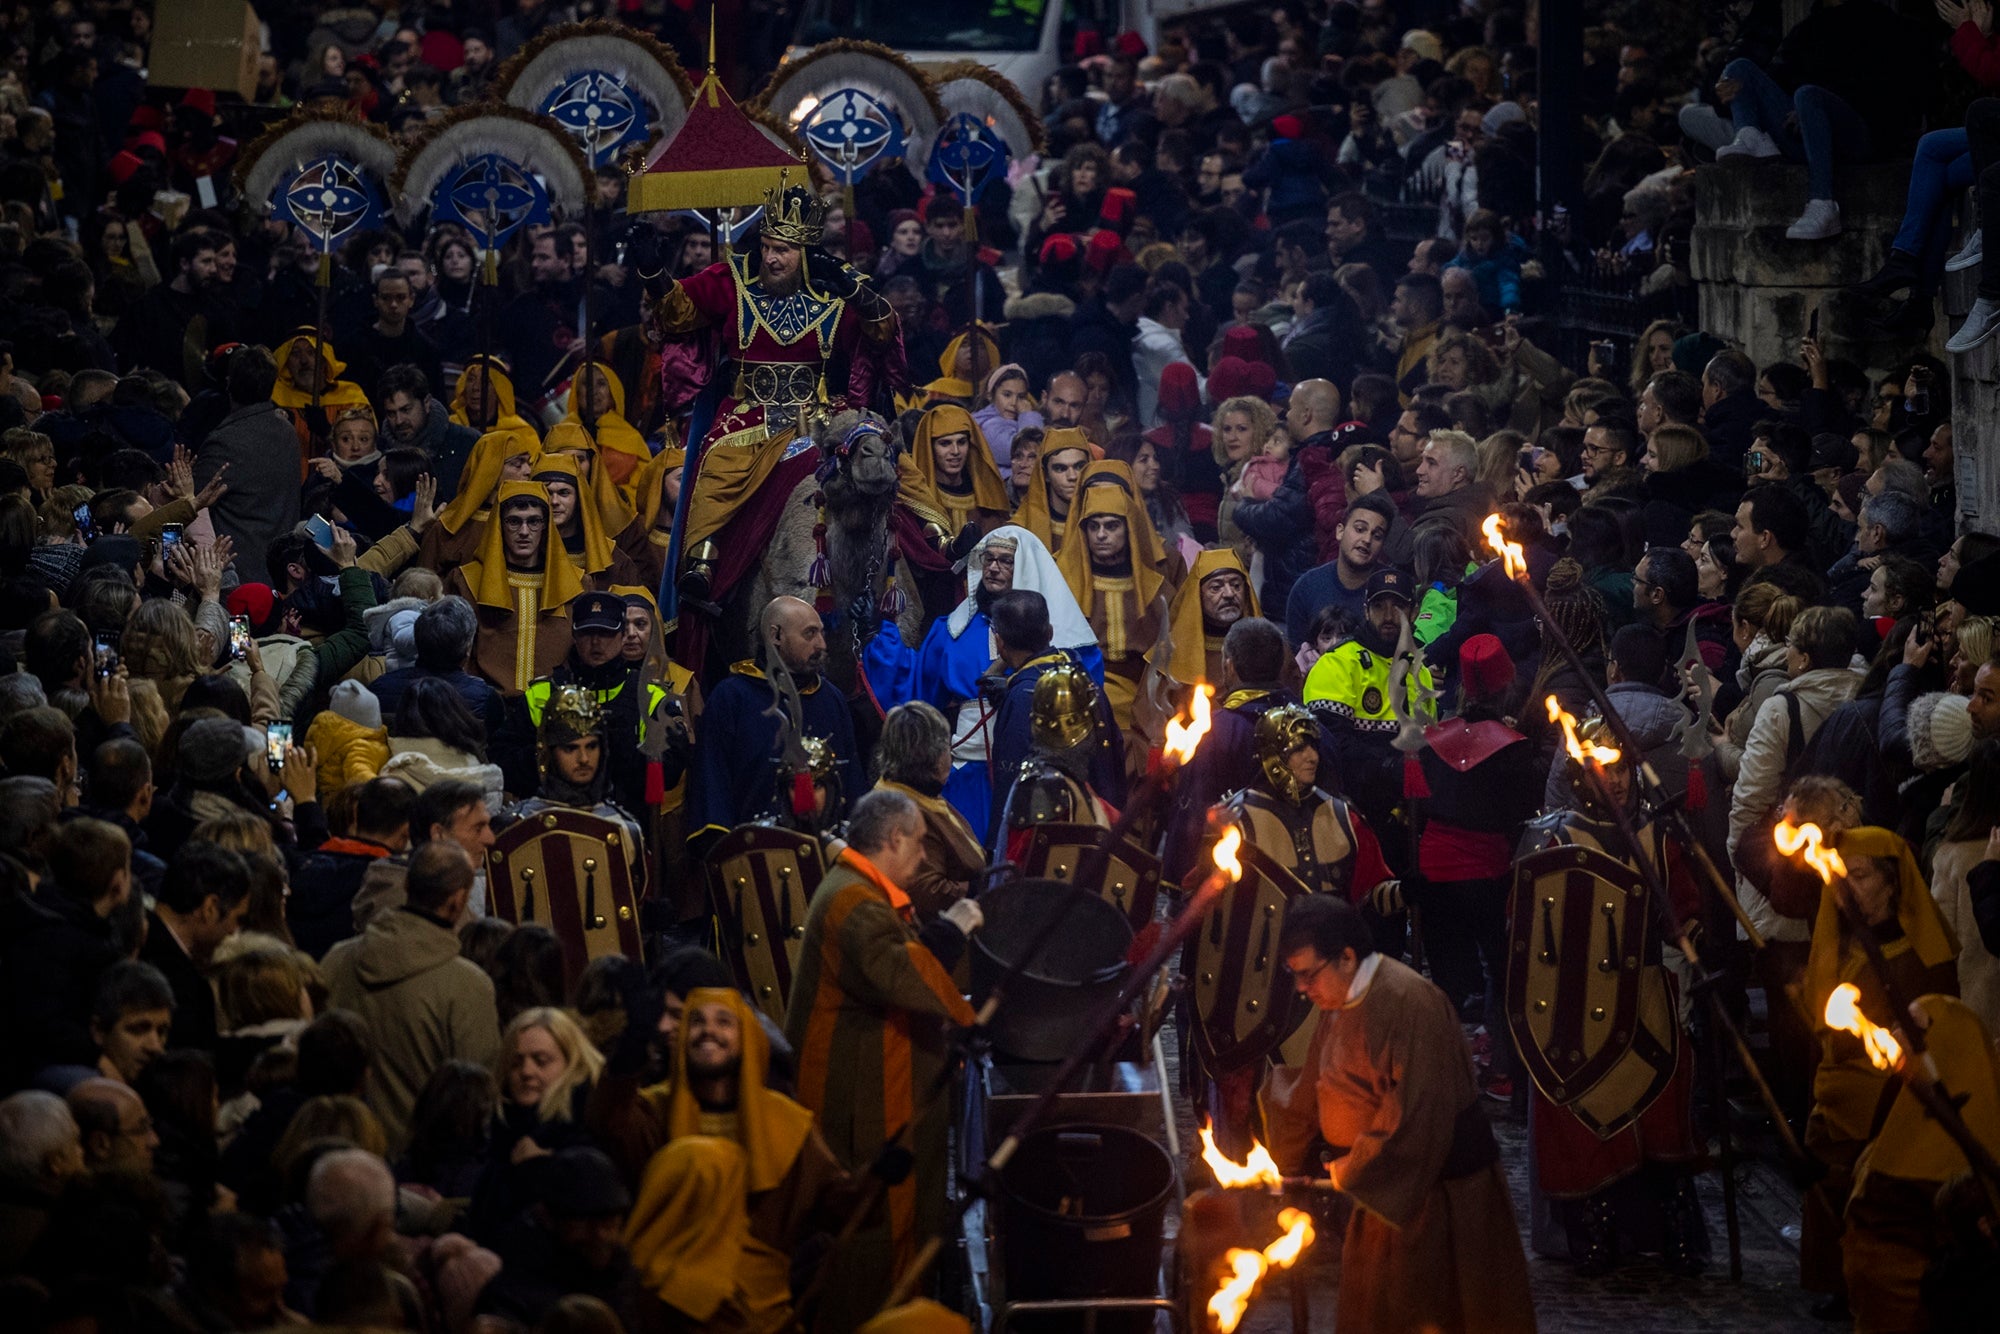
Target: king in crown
[(786, 315)]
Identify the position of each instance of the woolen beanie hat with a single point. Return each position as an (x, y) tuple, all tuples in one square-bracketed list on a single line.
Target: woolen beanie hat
[(1940, 730), (356, 703), (211, 750)]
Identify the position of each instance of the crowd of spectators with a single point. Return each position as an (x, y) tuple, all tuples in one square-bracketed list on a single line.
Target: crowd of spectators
[(267, 1055)]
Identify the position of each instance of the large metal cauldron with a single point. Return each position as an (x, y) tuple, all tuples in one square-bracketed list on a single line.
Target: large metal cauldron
[(1081, 1212), (1050, 1005)]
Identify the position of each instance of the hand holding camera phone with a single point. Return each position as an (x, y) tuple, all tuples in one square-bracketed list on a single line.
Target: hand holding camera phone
[(277, 740), (104, 654), (239, 637)]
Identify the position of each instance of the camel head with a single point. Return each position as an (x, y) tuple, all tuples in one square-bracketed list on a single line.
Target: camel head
[(859, 452)]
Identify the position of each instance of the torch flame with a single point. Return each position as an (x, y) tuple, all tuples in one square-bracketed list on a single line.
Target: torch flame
[(1247, 1268), (1578, 751), (1510, 553), (1259, 1169), (1225, 853), (1843, 1011), (1794, 839), (1182, 738)]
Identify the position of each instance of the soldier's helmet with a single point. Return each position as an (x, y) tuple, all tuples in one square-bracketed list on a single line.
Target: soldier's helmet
[(1063, 714), (1595, 733), (1279, 733)]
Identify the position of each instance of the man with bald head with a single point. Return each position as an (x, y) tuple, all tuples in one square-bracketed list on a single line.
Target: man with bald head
[(1282, 526), (1063, 405), (116, 1130), (740, 772)]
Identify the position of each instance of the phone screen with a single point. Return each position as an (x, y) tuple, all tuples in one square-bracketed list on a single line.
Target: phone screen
[(170, 537), (105, 652), (277, 740), (80, 516), (320, 531), (239, 636)]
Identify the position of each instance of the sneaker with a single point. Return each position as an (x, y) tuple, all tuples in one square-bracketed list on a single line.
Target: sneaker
[(1750, 142), (1970, 254), (1498, 1087), (1981, 323), (1820, 220)]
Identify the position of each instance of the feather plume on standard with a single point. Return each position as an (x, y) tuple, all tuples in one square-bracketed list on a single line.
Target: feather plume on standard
[(533, 144), (313, 132), (972, 89), (584, 75), (848, 63)]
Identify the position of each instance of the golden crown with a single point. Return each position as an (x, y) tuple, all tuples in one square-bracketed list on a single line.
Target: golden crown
[(794, 215)]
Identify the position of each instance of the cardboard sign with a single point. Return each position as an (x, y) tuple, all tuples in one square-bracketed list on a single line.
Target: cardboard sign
[(205, 44)]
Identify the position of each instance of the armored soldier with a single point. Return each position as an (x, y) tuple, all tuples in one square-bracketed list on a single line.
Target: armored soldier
[(574, 766), (1594, 1015), (572, 858), (1053, 783), (1297, 840)]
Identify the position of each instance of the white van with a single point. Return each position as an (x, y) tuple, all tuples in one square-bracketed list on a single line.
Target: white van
[(1019, 39)]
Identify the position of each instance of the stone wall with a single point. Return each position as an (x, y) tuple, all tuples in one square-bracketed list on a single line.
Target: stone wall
[(1975, 413), (1759, 289)]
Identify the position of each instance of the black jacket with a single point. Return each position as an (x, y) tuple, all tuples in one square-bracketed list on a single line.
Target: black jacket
[(1037, 334), (56, 948), (1669, 500), (1728, 423), (1096, 329), (194, 999)]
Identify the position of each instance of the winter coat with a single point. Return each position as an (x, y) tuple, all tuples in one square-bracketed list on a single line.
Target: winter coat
[(1095, 329), (1154, 348), (422, 760), (423, 1005), (1037, 335), (1978, 970), (1668, 501), (320, 910), (262, 504), (289, 664), (348, 752), (1282, 527), (1762, 671), (1652, 718), (1498, 274), (55, 948), (1761, 777)]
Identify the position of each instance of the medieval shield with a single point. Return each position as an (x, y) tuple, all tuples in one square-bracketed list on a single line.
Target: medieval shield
[(1244, 1001), (1131, 874), (571, 871), (760, 880), (1577, 946)]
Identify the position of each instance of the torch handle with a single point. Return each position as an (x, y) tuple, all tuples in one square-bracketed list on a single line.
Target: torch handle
[(1656, 793)]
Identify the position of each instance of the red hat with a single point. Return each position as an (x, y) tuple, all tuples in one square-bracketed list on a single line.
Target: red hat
[(121, 166), (1118, 207), (442, 51), (1089, 42), (1288, 127), (252, 600), (1227, 378), (1259, 380), (860, 240), (1129, 44), (1485, 670), (1242, 341), (152, 139), (1106, 251), (199, 99), (1180, 393), (1060, 248), (148, 117), (899, 216)]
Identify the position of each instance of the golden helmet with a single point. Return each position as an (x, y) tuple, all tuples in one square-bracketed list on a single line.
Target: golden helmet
[(1593, 732), (572, 713), (1064, 712), (794, 215), (820, 759), (1280, 732)]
